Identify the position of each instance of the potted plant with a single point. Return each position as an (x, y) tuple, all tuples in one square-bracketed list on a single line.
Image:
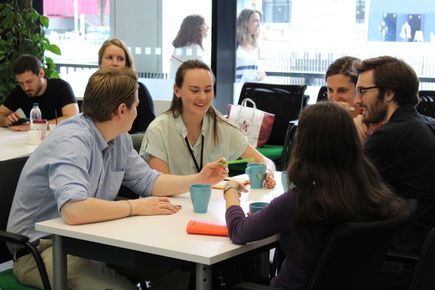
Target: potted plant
[(21, 31)]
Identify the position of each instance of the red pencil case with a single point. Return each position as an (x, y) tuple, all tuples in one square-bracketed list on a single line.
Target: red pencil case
[(206, 228)]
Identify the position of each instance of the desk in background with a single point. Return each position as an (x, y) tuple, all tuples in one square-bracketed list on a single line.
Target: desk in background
[(127, 241), (13, 144)]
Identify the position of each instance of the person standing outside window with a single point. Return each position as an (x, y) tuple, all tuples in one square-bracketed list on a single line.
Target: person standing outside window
[(188, 42), (247, 54)]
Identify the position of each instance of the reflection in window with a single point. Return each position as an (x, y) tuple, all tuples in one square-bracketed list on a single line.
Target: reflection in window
[(360, 11), (277, 11), (388, 27), (188, 42)]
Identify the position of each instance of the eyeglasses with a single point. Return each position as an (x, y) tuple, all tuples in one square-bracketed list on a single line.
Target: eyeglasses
[(360, 92)]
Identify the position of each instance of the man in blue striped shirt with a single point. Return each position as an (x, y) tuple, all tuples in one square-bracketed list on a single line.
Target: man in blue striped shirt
[(76, 173)]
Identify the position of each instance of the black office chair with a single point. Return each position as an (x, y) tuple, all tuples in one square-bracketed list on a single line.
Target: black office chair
[(427, 103), (291, 129), (10, 171), (423, 277), (323, 94), (305, 101), (288, 142), (352, 257), (285, 101)]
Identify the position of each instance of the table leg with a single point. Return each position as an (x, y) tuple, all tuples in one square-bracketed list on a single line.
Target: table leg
[(203, 277), (59, 263)]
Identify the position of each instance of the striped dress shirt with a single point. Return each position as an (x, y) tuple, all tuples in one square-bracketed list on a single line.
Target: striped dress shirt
[(74, 163)]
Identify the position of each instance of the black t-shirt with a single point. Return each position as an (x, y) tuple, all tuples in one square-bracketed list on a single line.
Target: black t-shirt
[(145, 111), (57, 95)]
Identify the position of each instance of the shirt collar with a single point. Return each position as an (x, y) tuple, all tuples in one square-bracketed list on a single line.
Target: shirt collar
[(181, 128), (101, 143)]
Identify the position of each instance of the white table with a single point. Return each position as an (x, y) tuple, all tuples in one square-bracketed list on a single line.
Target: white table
[(164, 236), (13, 144)]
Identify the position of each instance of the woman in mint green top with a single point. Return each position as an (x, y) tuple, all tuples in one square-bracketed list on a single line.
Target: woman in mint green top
[(192, 132)]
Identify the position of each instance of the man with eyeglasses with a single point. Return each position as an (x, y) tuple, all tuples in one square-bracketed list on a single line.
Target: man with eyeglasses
[(403, 148)]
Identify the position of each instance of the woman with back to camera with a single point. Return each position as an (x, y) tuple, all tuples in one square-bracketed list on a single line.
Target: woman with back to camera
[(188, 42), (192, 132), (114, 53), (247, 53), (332, 183)]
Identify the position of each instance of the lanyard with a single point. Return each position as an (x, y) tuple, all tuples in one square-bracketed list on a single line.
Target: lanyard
[(191, 152)]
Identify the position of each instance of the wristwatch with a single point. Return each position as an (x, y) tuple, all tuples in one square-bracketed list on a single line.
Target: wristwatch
[(228, 186)]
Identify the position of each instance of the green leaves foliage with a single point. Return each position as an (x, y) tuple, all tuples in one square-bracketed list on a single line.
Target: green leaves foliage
[(22, 31)]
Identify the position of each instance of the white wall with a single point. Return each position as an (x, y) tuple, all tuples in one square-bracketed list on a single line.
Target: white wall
[(138, 23)]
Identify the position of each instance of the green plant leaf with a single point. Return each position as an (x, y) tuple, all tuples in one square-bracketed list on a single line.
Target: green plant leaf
[(33, 15), (54, 49), (44, 20)]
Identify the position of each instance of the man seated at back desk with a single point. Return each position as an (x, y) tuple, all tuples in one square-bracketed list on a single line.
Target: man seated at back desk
[(55, 97)]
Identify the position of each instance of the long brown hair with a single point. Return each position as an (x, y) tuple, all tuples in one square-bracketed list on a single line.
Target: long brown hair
[(334, 181), (190, 31)]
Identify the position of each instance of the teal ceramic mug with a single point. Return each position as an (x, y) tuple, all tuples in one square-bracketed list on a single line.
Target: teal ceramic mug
[(200, 196), (256, 206), (256, 173), (284, 180)]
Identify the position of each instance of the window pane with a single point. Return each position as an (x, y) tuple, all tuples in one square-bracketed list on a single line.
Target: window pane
[(78, 27), (298, 49), (148, 28)]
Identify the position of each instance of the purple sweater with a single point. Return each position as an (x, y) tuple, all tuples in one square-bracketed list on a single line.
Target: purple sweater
[(276, 219)]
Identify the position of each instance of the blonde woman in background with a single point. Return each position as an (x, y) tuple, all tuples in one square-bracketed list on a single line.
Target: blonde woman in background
[(114, 53), (247, 53)]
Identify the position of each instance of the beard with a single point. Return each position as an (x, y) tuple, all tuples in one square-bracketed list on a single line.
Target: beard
[(34, 93), (376, 112)]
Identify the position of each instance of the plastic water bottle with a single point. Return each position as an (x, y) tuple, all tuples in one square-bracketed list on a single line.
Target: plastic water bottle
[(35, 114)]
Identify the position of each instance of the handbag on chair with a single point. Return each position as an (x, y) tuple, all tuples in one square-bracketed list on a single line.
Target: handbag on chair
[(255, 123)]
